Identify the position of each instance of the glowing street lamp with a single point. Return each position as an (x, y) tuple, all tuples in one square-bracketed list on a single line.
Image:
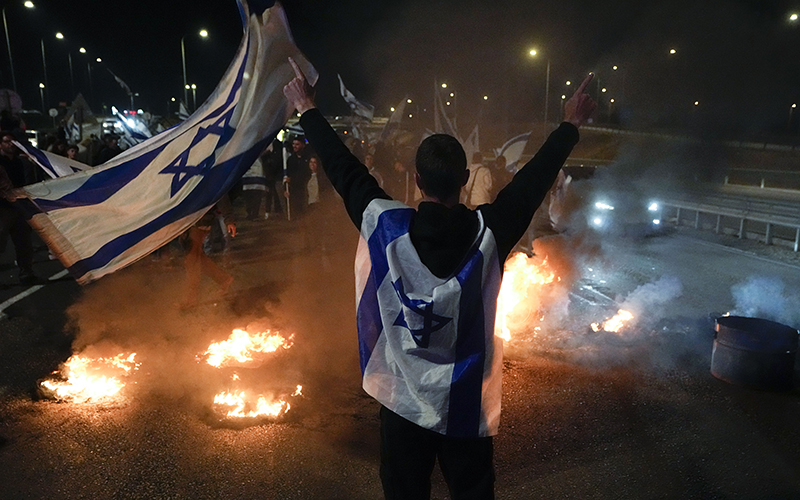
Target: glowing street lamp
[(793, 17), (99, 60), (82, 50), (672, 52), (444, 85), (203, 34), (194, 96), (791, 114), (41, 94), (534, 53), (60, 35), (29, 4)]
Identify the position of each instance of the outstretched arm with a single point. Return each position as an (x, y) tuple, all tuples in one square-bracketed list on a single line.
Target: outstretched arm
[(349, 177), (511, 212)]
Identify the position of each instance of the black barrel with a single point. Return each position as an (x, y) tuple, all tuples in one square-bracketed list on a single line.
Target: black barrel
[(754, 352)]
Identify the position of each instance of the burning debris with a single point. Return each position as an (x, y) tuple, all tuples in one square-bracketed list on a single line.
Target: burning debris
[(520, 300), (248, 351), (614, 324), (82, 379), (245, 349), (244, 405)]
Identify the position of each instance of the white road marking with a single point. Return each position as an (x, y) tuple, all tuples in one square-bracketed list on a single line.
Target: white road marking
[(30, 291)]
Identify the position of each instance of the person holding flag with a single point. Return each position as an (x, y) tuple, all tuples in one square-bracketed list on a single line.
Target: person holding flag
[(427, 282)]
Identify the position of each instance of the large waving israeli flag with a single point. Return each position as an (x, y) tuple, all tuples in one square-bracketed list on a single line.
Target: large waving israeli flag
[(108, 217)]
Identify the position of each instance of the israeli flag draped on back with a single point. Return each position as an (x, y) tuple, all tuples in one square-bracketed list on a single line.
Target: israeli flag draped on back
[(427, 344), (106, 218)]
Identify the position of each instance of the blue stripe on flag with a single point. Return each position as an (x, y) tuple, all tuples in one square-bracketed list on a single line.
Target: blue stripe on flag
[(391, 225), (39, 157), (368, 319), (220, 179), (102, 185), (464, 414)]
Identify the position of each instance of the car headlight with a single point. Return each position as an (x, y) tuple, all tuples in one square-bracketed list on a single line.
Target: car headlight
[(603, 206)]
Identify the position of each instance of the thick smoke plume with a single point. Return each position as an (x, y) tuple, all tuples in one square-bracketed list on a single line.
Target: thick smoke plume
[(767, 298)]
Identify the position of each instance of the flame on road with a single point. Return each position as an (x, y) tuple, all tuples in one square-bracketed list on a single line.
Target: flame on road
[(94, 379), (244, 405), (614, 324), (246, 350), (518, 300), (241, 346)]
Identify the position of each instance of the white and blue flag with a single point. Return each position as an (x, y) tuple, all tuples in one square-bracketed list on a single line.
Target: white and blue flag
[(512, 151), (133, 130), (427, 344), (358, 107), (103, 219), (54, 165)]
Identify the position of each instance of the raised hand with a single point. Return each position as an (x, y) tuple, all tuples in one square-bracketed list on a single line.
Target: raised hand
[(298, 91), (579, 108)]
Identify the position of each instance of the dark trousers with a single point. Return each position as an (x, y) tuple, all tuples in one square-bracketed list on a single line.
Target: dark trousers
[(409, 452), (20, 233), (274, 196)]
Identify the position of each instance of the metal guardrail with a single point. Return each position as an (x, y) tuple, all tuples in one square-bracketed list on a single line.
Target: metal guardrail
[(770, 220)]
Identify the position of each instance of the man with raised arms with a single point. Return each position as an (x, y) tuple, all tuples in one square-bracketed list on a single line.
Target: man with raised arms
[(427, 282)]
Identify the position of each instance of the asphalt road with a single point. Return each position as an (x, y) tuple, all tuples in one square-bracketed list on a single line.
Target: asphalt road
[(585, 415)]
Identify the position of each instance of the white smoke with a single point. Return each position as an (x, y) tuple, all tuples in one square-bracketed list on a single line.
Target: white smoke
[(767, 298), (650, 298)]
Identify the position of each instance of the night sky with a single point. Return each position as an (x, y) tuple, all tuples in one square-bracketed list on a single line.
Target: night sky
[(739, 59)]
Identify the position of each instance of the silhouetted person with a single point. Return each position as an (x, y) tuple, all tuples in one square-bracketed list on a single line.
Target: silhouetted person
[(427, 282)]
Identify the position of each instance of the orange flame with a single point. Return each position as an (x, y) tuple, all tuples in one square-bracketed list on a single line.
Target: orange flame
[(614, 324), (242, 349), (241, 346), (522, 282), (243, 406), (91, 378)]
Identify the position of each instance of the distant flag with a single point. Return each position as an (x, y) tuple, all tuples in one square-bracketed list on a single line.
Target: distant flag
[(394, 121), (121, 83), (183, 113), (512, 150), (106, 218), (73, 130), (134, 131), (359, 108), (53, 164)]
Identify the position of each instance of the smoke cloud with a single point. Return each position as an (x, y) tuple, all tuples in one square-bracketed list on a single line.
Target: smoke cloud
[(767, 298)]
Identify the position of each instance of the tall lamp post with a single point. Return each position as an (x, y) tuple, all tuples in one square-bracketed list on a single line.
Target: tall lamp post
[(203, 34), (41, 94), (534, 53), (28, 4), (791, 114)]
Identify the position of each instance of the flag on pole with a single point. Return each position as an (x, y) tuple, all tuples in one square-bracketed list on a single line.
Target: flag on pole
[(122, 84), (359, 108), (53, 164), (134, 131), (73, 130), (394, 122), (106, 218), (512, 151)]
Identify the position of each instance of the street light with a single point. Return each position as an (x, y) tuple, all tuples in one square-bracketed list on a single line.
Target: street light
[(533, 53), (41, 94), (194, 96), (793, 17), (28, 4), (203, 34), (791, 114)]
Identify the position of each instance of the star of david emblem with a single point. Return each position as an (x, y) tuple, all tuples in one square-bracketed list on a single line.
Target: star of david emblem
[(431, 322), (181, 169)]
